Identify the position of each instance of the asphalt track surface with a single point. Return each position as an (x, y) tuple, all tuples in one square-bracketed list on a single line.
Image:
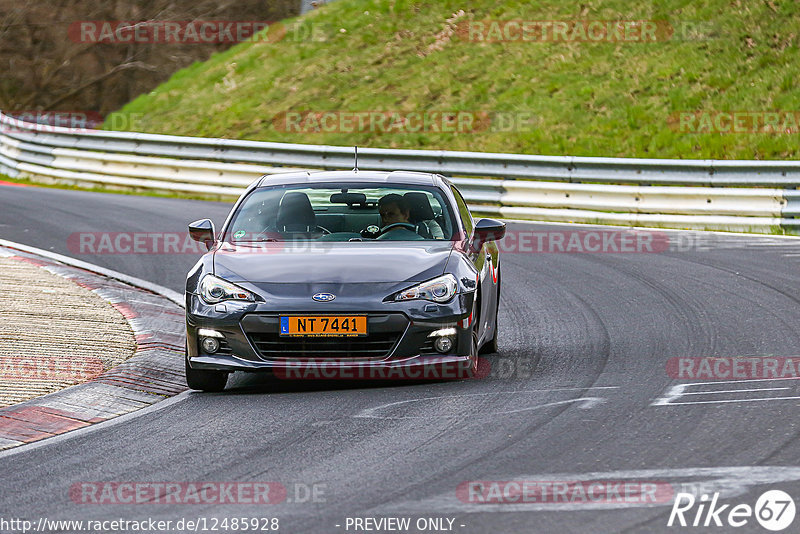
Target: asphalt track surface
[(579, 391)]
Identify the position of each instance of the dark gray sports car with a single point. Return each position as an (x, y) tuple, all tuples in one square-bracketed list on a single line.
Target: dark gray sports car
[(343, 275)]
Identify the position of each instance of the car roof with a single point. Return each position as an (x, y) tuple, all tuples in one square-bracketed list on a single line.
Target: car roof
[(398, 177)]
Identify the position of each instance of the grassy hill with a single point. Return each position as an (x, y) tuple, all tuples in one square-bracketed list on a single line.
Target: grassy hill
[(568, 97)]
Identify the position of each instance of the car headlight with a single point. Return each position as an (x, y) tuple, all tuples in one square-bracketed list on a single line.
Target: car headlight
[(214, 290), (439, 289)]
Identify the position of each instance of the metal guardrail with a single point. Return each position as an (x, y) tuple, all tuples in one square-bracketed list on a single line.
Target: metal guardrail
[(757, 196)]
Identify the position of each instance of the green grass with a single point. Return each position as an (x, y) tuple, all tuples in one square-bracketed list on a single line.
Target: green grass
[(586, 99)]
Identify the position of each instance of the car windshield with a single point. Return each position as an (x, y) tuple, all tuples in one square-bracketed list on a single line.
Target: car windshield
[(350, 212)]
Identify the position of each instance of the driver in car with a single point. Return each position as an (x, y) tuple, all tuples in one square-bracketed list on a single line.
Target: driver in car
[(395, 212)]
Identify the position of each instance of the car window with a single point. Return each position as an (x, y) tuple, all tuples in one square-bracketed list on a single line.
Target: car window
[(343, 212), (463, 211)]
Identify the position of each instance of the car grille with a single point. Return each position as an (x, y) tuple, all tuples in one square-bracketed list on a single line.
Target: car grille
[(224, 348), (427, 347), (373, 346), (385, 331)]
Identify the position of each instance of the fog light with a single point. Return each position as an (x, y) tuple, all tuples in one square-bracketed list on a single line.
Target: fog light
[(448, 331), (207, 332), (210, 345), (443, 344)]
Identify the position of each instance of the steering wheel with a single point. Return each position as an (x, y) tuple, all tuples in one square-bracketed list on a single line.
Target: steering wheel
[(407, 226), (324, 230)]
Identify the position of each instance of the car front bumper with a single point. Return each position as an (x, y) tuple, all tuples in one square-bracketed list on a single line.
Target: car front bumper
[(251, 341)]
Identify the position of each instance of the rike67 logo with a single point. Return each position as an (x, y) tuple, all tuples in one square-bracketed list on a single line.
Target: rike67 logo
[(774, 510)]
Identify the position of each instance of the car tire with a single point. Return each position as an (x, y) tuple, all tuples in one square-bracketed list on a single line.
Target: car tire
[(491, 346), (204, 380), (473, 368)]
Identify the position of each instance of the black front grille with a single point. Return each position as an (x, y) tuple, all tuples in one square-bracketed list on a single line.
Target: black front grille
[(224, 348), (374, 346), (428, 348)]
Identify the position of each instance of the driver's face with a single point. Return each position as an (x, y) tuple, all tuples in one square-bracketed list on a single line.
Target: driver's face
[(391, 214)]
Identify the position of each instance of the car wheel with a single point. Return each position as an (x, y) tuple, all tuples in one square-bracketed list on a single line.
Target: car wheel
[(473, 368), (490, 347), (204, 380)]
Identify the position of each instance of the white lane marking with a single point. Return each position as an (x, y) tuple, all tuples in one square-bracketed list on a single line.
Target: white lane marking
[(160, 405), (572, 389), (371, 413), (728, 481), (680, 390), (723, 401), (732, 391)]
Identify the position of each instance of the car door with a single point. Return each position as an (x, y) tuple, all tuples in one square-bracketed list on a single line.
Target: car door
[(482, 260)]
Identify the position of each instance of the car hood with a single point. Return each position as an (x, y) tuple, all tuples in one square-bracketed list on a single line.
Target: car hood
[(331, 262)]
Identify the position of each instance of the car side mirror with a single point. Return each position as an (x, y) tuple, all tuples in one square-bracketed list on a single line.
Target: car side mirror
[(487, 230), (203, 232)]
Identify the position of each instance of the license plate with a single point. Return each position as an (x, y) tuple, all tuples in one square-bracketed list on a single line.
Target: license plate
[(324, 325)]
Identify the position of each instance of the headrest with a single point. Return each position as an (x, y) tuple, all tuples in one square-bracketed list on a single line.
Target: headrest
[(295, 213), (420, 206)]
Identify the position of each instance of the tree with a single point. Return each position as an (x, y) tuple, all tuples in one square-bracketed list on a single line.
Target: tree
[(49, 65)]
